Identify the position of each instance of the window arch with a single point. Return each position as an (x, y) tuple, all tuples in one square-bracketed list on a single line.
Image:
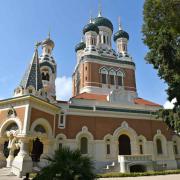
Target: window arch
[(84, 145), (120, 76), (159, 146), (104, 73), (112, 75)]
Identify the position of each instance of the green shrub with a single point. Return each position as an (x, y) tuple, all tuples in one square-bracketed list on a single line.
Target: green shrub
[(149, 173)]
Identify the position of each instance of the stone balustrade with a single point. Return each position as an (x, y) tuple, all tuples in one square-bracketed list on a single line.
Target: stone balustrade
[(143, 157)]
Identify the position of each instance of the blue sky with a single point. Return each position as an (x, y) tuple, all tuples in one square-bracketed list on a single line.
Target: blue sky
[(22, 23)]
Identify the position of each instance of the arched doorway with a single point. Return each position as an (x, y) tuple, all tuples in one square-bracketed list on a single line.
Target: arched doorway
[(124, 145), (11, 128), (137, 168)]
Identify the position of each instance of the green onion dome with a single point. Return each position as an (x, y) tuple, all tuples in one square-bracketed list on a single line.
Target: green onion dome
[(121, 34), (102, 21), (80, 46), (48, 41), (90, 27)]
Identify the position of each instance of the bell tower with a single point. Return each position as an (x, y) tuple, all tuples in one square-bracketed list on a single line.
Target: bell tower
[(48, 68)]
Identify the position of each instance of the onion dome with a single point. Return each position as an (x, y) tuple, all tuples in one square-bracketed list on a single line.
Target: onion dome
[(102, 21), (90, 27), (121, 34), (80, 46), (48, 41)]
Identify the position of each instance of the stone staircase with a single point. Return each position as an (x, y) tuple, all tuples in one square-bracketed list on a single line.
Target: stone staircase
[(112, 167), (5, 174)]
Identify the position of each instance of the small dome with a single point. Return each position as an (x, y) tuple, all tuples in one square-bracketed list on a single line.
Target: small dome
[(102, 21), (48, 41), (80, 46), (90, 27), (121, 34)]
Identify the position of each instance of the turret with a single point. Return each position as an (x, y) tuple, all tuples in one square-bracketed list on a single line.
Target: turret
[(121, 38), (90, 32), (105, 31), (79, 49), (48, 68)]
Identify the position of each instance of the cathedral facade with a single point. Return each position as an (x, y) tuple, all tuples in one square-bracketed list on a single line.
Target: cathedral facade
[(104, 118)]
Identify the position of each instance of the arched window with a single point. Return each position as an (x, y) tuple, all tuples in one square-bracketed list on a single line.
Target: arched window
[(120, 78), (108, 147), (47, 77), (159, 146), (84, 145), (141, 146), (39, 128), (62, 120), (12, 126), (104, 39), (112, 74), (104, 73), (175, 148)]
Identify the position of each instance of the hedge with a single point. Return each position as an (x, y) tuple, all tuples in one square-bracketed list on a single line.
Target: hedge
[(149, 173)]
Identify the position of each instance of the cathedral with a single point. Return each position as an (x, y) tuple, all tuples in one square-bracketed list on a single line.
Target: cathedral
[(105, 118)]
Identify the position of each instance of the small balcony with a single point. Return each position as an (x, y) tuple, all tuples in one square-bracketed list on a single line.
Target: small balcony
[(135, 163), (143, 157)]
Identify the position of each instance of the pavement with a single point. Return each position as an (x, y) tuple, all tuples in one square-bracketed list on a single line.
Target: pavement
[(6, 175)]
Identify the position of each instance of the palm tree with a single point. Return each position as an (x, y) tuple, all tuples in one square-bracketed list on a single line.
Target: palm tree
[(67, 164)]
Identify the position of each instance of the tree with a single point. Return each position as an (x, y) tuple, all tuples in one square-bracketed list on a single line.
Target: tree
[(161, 30), (67, 164)]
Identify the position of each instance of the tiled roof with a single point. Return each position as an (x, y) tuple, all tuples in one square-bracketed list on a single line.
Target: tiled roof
[(145, 102), (32, 76), (99, 97), (90, 96)]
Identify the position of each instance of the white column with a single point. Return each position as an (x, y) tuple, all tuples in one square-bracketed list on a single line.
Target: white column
[(2, 157), (121, 160), (22, 162)]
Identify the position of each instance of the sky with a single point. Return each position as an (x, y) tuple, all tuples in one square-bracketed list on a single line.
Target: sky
[(23, 23)]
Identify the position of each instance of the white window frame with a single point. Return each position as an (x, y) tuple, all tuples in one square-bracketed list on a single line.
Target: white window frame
[(119, 73), (63, 124)]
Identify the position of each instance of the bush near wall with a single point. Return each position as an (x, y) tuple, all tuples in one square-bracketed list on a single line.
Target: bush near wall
[(150, 173)]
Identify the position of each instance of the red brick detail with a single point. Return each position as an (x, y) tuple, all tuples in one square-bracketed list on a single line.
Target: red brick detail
[(90, 96), (36, 114), (20, 114), (101, 126)]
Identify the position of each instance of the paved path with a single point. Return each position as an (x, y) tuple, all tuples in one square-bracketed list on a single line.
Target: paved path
[(5, 175), (160, 177)]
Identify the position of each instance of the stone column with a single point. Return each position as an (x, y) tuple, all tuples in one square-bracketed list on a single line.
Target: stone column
[(2, 157), (22, 162), (47, 151)]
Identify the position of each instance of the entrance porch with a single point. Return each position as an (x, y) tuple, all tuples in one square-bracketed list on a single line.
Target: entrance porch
[(135, 163)]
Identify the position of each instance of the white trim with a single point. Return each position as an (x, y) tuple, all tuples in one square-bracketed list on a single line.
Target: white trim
[(26, 119), (45, 124), (9, 121), (108, 63), (84, 133)]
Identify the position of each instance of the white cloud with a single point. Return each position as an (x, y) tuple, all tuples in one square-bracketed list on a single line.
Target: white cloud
[(63, 88), (169, 105)]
